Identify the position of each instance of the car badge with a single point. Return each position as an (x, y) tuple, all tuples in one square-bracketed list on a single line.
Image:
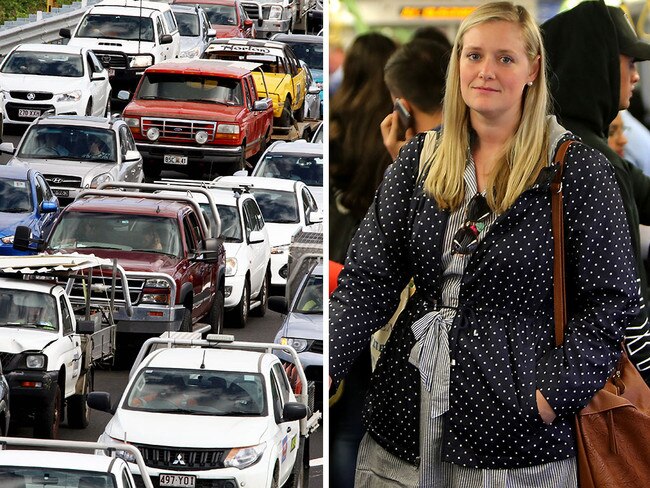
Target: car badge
[(57, 181), (106, 59), (31, 96), (178, 129), (179, 460)]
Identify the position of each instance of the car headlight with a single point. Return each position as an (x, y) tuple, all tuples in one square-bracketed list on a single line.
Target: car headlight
[(35, 361), (156, 283), (140, 61), (153, 133), (300, 345), (190, 53), (7, 240), (243, 457), (201, 137), (281, 249), (231, 266), (275, 13), (99, 179), (228, 129), (126, 455), (132, 121), (72, 96)]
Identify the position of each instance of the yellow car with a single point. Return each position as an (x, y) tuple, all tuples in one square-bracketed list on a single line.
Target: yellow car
[(280, 77)]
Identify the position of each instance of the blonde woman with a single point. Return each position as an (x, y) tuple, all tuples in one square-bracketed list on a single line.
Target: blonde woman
[(470, 390)]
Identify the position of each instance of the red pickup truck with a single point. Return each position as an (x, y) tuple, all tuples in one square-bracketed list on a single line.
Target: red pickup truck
[(198, 116)]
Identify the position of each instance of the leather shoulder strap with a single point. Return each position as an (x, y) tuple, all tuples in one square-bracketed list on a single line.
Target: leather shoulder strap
[(557, 215)]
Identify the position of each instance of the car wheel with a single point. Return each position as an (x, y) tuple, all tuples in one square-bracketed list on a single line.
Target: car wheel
[(299, 114), (263, 297), (240, 163), (186, 324), (239, 314), (215, 317), (152, 170), (286, 119), (300, 473), (89, 107), (78, 411), (107, 111), (48, 420)]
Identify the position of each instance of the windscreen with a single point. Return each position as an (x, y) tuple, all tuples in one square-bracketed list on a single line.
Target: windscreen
[(279, 207), (191, 88), (44, 64), (311, 296), (36, 477), (220, 14), (188, 24), (305, 168), (231, 230), (27, 309), (15, 196), (69, 142), (126, 27), (197, 392), (310, 53)]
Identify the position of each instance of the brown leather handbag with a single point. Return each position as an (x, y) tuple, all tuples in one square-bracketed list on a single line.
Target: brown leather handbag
[(613, 430)]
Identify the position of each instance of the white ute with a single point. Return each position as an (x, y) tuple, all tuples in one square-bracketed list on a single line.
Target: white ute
[(235, 418), (49, 341)]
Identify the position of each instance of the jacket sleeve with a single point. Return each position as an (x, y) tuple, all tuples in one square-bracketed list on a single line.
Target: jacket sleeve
[(641, 188), (601, 282), (376, 268)]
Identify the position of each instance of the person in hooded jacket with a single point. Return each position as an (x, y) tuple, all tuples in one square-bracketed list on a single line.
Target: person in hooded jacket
[(592, 50), (470, 389)]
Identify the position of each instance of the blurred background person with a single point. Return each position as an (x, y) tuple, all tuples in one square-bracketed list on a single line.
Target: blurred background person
[(637, 148), (357, 163), (616, 136)]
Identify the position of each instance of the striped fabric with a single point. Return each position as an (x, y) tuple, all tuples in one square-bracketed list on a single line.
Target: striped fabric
[(377, 468)]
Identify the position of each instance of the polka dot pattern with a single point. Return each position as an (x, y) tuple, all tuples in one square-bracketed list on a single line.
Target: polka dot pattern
[(501, 339)]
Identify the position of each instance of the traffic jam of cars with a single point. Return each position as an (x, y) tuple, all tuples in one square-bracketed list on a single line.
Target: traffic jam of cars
[(161, 189)]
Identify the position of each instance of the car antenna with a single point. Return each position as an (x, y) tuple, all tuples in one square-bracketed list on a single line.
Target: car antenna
[(203, 361)]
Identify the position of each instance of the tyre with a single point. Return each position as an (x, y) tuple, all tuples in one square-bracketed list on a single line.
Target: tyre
[(186, 324), (239, 314), (300, 474), (152, 170), (215, 317), (299, 114), (274, 480), (77, 409), (48, 420), (263, 297), (89, 107), (286, 119)]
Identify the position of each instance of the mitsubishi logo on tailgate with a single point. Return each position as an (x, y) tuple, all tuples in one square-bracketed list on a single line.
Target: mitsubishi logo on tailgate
[(179, 460)]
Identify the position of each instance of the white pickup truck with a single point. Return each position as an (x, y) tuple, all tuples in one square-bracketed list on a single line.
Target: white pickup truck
[(237, 421), (50, 343)]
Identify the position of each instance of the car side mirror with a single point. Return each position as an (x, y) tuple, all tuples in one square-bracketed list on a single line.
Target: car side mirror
[(123, 95), (240, 172), (49, 207), (315, 217), (100, 400), (314, 89), (22, 238), (212, 33), (260, 22), (166, 39), (132, 155), (279, 305), (7, 148), (262, 104), (294, 411), (65, 33), (248, 23), (98, 77), (256, 236)]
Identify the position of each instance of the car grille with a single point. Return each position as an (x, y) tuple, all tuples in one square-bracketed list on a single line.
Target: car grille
[(37, 96), (12, 110), (182, 459), (135, 289), (5, 359), (266, 11), (317, 347), (231, 483), (62, 180), (178, 129), (252, 10), (111, 59)]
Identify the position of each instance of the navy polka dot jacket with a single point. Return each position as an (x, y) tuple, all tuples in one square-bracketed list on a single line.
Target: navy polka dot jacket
[(502, 336)]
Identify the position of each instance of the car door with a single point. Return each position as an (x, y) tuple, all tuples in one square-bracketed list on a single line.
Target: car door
[(200, 272), (258, 252), (70, 350), (129, 170), (297, 77), (100, 87), (287, 437), (171, 28)]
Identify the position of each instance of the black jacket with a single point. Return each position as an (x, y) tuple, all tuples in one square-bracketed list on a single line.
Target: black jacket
[(583, 57), (502, 336)]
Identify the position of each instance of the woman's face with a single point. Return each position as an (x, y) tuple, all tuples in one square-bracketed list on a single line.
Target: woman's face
[(616, 139), (494, 70)]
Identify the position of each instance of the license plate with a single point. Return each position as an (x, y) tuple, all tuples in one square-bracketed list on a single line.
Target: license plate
[(179, 160), (61, 193), (111, 72), (23, 112), (177, 480)]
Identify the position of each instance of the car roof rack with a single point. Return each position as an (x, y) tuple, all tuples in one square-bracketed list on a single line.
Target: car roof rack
[(204, 184)]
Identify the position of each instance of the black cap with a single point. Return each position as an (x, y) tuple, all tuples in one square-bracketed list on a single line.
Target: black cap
[(628, 42)]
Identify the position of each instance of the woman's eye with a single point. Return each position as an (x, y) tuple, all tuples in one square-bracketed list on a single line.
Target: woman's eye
[(506, 59), (473, 56)]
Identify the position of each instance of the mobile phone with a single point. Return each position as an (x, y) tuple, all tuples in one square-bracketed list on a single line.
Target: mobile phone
[(405, 118)]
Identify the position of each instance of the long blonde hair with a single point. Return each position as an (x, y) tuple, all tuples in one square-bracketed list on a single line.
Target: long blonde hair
[(524, 155)]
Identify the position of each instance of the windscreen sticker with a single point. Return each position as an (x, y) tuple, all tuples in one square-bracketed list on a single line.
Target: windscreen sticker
[(19, 184), (284, 448)]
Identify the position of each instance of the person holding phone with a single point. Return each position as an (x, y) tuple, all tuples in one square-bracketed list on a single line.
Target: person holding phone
[(470, 389), (415, 76)]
